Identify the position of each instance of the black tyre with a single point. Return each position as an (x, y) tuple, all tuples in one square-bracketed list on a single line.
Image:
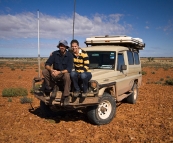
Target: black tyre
[(132, 97), (104, 112)]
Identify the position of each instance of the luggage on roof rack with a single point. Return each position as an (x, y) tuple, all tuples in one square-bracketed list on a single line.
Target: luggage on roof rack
[(120, 40)]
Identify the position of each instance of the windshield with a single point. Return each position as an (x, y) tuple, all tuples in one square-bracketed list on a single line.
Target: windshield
[(101, 60)]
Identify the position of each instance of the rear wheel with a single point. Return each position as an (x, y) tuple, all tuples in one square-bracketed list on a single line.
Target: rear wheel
[(132, 97), (104, 112)]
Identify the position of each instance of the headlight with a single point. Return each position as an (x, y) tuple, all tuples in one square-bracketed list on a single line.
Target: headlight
[(93, 84)]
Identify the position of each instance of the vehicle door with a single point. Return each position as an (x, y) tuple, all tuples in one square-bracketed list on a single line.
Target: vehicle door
[(122, 85)]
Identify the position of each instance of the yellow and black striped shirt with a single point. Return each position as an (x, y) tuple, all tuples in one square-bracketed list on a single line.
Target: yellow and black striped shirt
[(81, 63)]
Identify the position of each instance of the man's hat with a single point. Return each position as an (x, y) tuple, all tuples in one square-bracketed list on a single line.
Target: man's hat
[(64, 42)]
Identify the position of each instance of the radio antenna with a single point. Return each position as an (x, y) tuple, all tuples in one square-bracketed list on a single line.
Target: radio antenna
[(74, 16), (38, 47)]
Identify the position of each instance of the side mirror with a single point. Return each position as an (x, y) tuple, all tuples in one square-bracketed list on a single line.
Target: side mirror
[(123, 67)]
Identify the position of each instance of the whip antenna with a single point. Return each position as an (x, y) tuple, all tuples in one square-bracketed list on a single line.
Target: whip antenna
[(38, 47), (74, 16)]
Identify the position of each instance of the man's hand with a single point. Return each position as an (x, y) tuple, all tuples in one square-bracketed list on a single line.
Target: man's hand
[(55, 73)]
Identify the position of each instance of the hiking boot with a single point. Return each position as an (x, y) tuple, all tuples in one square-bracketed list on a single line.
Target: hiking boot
[(37, 91), (84, 94), (76, 93), (47, 98), (66, 100), (48, 89)]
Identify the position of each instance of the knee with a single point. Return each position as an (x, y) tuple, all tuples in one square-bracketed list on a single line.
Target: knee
[(73, 74), (83, 76), (45, 72)]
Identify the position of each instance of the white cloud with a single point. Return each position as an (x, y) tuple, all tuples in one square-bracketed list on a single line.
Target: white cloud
[(169, 26), (146, 27), (25, 25)]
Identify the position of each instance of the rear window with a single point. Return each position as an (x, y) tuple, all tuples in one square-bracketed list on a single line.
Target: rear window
[(136, 56), (130, 58)]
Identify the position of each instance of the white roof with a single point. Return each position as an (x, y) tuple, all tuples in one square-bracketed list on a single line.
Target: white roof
[(116, 40)]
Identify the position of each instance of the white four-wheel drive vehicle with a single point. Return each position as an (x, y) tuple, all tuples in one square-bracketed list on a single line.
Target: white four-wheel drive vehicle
[(116, 76)]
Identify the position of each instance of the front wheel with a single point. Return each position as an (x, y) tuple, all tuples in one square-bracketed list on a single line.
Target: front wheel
[(104, 112)]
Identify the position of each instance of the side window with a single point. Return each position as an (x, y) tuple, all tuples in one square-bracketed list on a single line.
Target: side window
[(136, 56), (120, 61), (130, 58)]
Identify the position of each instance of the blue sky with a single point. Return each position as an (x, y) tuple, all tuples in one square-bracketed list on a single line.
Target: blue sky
[(150, 20)]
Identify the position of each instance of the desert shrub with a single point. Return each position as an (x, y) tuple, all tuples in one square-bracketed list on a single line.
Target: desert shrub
[(37, 87), (26, 100), (169, 82), (167, 76), (153, 72), (12, 68), (165, 68), (18, 67), (158, 82), (144, 72), (11, 92), (161, 79)]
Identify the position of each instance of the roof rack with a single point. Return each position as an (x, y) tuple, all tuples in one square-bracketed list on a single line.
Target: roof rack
[(120, 40)]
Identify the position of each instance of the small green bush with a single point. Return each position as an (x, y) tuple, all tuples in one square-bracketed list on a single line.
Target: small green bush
[(161, 79), (37, 87), (165, 68), (169, 82), (13, 69), (26, 100), (144, 73), (158, 82), (153, 72), (12, 92), (167, 76)]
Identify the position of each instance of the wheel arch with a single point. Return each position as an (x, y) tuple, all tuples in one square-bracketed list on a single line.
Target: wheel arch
[(110, 90)]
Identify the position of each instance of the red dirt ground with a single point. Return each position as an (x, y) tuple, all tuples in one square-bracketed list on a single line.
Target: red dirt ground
[(149, 120)]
